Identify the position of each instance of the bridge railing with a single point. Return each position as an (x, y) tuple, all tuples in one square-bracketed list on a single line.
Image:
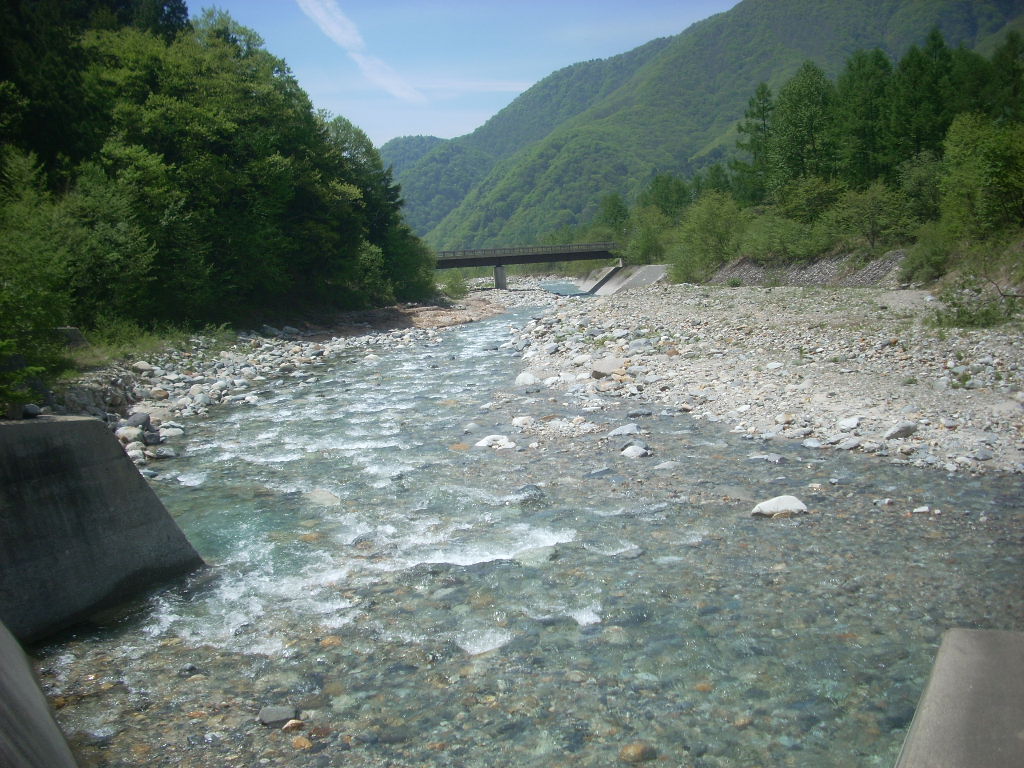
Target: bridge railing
[(530, 250)]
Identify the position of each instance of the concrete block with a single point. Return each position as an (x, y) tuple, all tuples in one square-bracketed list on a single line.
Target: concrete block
[(29, 736), (80, 529), (972, 712)]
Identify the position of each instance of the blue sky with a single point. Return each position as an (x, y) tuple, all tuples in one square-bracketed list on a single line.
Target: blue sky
[(442, 67)]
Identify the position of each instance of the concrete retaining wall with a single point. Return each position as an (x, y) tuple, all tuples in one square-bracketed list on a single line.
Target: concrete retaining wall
[(633, 277), (80, 529), (836, 271), (29, 736), (972, 712)]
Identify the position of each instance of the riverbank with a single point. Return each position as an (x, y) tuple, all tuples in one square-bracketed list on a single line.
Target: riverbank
[(836, 369)]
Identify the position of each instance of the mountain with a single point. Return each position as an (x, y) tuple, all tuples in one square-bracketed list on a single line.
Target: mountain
[(671, 105)]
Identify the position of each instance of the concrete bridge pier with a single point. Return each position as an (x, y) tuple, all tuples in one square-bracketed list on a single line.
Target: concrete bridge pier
[(500, 281)]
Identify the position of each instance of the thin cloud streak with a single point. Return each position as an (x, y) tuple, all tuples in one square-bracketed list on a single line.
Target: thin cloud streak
[(328, 16)]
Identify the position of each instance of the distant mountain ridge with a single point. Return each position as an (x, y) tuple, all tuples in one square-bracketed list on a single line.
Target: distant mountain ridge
[(670, 105)]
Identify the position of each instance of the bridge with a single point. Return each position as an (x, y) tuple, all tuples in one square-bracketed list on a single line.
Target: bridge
[(533, 254)]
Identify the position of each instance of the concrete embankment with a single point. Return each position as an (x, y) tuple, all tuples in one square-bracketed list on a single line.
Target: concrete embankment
[(29, 737), (80, 529), (970, 713)]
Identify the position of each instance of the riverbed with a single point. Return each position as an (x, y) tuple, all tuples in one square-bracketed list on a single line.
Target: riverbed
[(420, 562)]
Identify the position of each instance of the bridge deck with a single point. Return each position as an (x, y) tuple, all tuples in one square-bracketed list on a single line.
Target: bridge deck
[(492, 257)]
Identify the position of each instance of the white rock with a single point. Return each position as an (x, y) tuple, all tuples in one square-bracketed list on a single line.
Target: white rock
[(128, 434), (625, 429), (526, 379), (635, 452), (779, 506), (606, 366), (523, 421), (494, 441)]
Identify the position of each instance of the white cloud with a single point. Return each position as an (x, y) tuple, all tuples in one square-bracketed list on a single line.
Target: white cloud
[(327, 15)]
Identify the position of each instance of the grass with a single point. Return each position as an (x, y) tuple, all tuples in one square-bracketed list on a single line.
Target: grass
[(120, 340)]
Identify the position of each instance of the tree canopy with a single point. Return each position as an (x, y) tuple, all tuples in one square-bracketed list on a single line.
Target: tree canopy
[(182, 175)]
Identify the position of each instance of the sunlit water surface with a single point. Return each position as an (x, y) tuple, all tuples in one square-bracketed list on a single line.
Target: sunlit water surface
[(425, 602)]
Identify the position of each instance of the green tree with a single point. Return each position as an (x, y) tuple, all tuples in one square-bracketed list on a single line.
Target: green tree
[(802, 142), (874, 216), (755, 140), (918, 111), (647, 229), (33, 295), (669, 194), (983, 176), (612, 216), (708, 237), (807, 198), (919, 180), (860, 109), (1006, 92)]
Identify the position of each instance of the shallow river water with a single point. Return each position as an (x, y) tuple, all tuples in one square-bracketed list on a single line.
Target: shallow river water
[(420, 601)]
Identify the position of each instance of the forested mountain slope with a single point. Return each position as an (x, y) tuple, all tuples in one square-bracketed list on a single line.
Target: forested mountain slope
[(436, 177), (669, 106)]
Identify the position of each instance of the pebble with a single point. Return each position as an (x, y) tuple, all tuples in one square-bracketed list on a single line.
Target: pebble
[(638, 752)]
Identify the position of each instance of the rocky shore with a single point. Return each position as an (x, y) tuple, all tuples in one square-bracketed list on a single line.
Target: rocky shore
[(850, 369), (836, 369)]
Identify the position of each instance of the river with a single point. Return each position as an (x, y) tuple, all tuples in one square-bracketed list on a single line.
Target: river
[(421, 601)]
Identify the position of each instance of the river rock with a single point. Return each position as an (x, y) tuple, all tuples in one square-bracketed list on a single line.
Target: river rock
[(527, 379), (495, 441), (779, 506), (625, 429), (638, 752), (129, 435), (275, 716), (139, 419), (636, 451), (606, 366), (903, 429)]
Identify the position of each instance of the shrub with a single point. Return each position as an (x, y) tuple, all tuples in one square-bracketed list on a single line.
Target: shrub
[(707, 238), (929, 258), (454, 285), (967, 304)]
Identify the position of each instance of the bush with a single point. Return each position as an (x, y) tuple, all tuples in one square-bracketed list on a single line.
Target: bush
[(707, 238), (454, 285), (930, 256), (807, 198), (967, 304), (771, 239), (875, 216)]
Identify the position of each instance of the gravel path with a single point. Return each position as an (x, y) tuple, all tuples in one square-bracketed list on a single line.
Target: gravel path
[(840, 369)]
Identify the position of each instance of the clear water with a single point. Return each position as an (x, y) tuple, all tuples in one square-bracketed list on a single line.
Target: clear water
[(425, 602)]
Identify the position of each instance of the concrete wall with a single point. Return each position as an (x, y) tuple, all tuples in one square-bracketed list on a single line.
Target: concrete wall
[(80, 529), (971, 715), (633, 277), (29, 736)]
